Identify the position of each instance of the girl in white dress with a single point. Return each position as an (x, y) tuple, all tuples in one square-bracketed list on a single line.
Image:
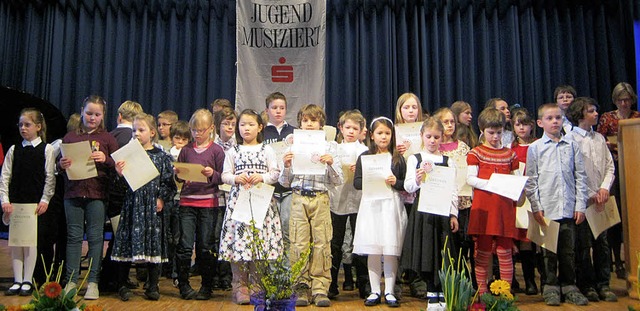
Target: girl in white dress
[(381, 223)]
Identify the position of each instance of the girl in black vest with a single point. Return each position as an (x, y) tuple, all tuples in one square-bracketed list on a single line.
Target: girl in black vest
[(27, 177)]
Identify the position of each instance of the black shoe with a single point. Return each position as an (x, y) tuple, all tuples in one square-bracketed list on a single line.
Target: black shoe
[(224, 285), (347, 286), (186, 292), (621, 273), (333, 291), (391, 300), (152, 293), (372, 300), (591, 295), (531, 288), (204, 293), (124, 293), (26, 289), (131, 284), (13, 292)]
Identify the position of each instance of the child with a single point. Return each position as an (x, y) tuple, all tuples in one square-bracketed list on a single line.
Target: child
[(557, 190), (524, 129), (564, 95), (180, 137), (493, 217), (220, 104), (117, 189), (380, 225), (426, 233), (165, 120), (140, 237), (247, 164), (457, 150), (310, 213), (27, 177), (592, 278), (503, 107), (278, 129), (85, 199), (464, 129), (225, 121), (198, 202), (345, 201)]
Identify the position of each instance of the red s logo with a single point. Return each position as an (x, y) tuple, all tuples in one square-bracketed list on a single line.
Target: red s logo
[(282, 73)]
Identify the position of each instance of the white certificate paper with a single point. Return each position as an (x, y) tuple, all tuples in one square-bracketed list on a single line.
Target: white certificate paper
[(138, 169), (409, 133), (23, 225), (546, 237), (190, 171), (437, 191), (253, 204), (507, 185), (308, 147), (375, 170), (330, 132), (82, 166), (599, 222), (464, 190), (280, 148), (522, 215), (348, 154)]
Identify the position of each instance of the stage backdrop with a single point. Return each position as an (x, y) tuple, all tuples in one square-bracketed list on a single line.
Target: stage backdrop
[(280, 47)]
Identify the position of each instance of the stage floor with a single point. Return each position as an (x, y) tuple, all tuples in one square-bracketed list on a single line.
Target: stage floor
[(170, 299)]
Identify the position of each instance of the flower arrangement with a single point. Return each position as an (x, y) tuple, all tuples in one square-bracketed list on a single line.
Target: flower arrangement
[(456, 284), (273, 280), (51, 296), (636, 307), (500, 297)]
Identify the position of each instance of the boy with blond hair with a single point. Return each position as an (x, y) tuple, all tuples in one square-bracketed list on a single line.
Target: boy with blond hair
[(310, 217)]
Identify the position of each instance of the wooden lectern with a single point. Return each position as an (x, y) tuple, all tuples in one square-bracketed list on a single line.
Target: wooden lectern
[(628, 160)]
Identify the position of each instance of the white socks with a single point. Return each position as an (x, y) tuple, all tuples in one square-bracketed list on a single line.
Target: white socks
[(23, 260), (374, 263)]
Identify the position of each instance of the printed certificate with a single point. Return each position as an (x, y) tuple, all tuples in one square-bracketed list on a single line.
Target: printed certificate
[(82, 166), (507, 185), (190, 172), (601, 221), (409, 134), (461, 176), (253, 204), (138, 169), (375, 170), (23, 225), (437, 191), (308, 147), (546, 237)]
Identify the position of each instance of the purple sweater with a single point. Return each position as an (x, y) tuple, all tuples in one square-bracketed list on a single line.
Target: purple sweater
[(92, 188), (192, 192)]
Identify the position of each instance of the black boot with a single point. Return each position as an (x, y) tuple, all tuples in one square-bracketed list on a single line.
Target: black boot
[(348, 278), (152, 292), (186, 292), (527, 258), (124, 293)]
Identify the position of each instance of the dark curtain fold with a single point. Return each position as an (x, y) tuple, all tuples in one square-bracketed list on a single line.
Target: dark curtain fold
[(180, 54)]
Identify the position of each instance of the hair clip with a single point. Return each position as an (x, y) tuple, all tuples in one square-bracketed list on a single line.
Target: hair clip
[(380, 118)]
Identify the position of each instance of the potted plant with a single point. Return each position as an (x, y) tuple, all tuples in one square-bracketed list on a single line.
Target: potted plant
[(456, 284)]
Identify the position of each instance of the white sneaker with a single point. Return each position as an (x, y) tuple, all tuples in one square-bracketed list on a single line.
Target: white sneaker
[(70, 286), (92, 292)]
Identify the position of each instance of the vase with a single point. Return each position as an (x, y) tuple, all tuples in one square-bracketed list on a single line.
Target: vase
[(261, 304)]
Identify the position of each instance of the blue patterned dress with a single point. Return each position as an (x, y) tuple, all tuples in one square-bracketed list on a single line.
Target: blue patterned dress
[(236, 239), (140, 237)]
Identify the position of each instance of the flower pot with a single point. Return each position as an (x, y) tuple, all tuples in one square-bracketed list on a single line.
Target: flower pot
[(261, 304)]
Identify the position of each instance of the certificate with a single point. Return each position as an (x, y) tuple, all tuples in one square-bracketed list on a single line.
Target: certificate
[(464, 190), (82, 166), (348, 154), (23, 225), (375, 170), (409, 134), (224, 187), (308, 147), (522, 215), (507, 185), (280, 148), (138, 170), (330, 132), (546, 237), (253, 204), (190, 171), (436, 192), (599, 222)]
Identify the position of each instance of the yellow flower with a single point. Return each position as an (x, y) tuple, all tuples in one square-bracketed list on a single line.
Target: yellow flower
[(28, 307), (500, 287), (507, 295)]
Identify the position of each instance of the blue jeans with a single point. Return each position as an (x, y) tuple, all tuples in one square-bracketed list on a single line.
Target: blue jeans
[(80, 211), (196, 225)]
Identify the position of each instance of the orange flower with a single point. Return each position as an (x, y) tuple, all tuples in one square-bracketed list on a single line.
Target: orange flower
[(14, 308), (93, 308), (52, 290)]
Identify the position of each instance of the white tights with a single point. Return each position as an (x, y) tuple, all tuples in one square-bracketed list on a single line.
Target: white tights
[(375, 271), (23, 260)]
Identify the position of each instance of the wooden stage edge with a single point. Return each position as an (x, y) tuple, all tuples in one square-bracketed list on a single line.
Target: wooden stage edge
[(170, 299)]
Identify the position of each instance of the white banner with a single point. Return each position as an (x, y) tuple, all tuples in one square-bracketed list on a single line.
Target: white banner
[(280, 47)]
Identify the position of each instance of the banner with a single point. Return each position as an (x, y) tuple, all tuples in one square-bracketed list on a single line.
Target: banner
[(280, 47)]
